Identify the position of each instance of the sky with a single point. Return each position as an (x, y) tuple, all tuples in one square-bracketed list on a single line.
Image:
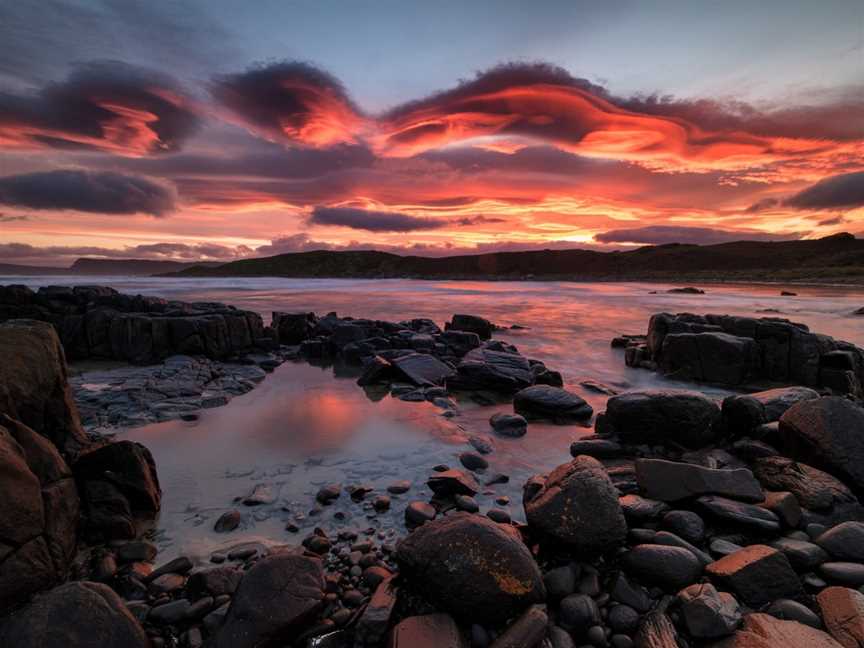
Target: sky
[(216, 130)]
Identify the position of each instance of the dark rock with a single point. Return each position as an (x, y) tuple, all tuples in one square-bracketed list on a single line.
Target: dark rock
[(638, 509), (422, 369), (577, 613), (827, 432), (671, 481), (180, 565), (290, 583), (803, 555), (709, 614), (845, 542), (376, 370), (842, 611), (417, 513), (688, 290), (744, 412), (560, 582), (373, 623), (493, 370), (552, 403), (399, 487), (668, 567), (526, 632), (170, 613), (74, 615), (137, 551), (328, 493), (790, 610), (844, 573), (623, 619), (466, 503), (758, 574), (130, 468), (672, 540), (623, 591), (294, 328), (498, 515), (471, 566), (766, 631), (482, 443), (473, 461), (453, 482), (427, 631), (785, 506), (812, 488), (680, 417), (228, 521), (657, 631), (214, 581), (509, 425), (686, 524), (746, 515), (577, 504), (471, 324), (597, 448)]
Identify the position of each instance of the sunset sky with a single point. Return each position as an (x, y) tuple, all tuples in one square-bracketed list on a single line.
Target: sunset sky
[(222, 129)]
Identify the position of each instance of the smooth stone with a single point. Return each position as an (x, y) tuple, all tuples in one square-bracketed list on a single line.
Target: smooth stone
[(228, 521), (417, 513), (790, 610), (746, 515), (842, 611), (509, 425), (845, 573), (685, 524), (844, 542), (669, 567)]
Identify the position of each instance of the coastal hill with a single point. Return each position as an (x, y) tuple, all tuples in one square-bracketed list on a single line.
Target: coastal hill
[(117, 267), (835, 258)]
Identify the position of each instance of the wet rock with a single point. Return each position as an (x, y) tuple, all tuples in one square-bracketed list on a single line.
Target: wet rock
[(669, 567), (399, 487), (329, 493), (764, 631), (638, 509), (526, 632), (560, 582), (672, 540), (842, 611), (482, 443), (373, 623), (597, 448), (790, 610), (803, 555), (685, 524), (827, 432), (471, 566), (552, 403), (169, 613), (74, 615), (498, 515), (843, 573), (261, 494), (709, 614), (473, 461), (290, 583), (422, 369), (812, 488), (499, 371), (745, 515), (228, 521), (743, 412), (381, 503), (214, 581), (577, 504), (636, 596), (471, 324), (293, 328), (417, 513), (375, 370), (681, 417), (453, 482), (623, 619), (577, 613), (466, 503), (427, 631), (509, 425), (845, 542), (671, 481), (758, 574)]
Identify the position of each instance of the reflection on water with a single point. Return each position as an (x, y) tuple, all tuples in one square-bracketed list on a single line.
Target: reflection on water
[(306, 426)]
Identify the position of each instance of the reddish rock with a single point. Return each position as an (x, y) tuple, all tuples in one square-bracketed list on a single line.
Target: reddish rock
[(765, 631), (758, 574), (842, 612), (427, 631)]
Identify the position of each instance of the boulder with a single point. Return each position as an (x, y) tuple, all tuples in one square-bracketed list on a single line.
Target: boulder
[(453, 482), (828, 433), (812, 488), (743, 412), (710, 356), (842, 612), (577, 504), (758, 574), (680, 417), (552, 403), (471, 324), (34, 388), (509, 425), (427, 631), (671, 481), (421, 369), (709, 614), (484, 368), (472, 567), (75, 615), (766, 631), (277, 597), (294, 328)]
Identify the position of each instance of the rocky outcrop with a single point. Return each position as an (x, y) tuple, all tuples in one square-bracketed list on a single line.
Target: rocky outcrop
[(577, 504), (34, 387), (99, 322), (471, 567), (74, 615), (38, 526), (737, 351)]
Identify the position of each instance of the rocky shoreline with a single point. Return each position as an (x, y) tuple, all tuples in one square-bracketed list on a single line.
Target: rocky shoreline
[(684, 521)]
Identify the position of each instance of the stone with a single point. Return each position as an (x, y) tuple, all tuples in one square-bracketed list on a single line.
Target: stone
[(682, 417), (453, 482), (844, 573), (577, 613), (129, 467), (471, 566), (560, 582), (814, 489), (597, 448), (669, 567), (289, 583), (827, 432), (466, 503), (744, 412), (375, 620), (709, 614), (790, 610), (498, 371), (509, 425), (765, 631), (803, 555), (293, 328), (623, 619), (745, 515), (417, 513), (657, 631), (671, 481), (228, 521), (399, 487), (686, 524), (137, 551), (170, 613), (214, 581), (785, 506), (636, 596), (758, 574), (375, 370), (482, 443), (551, 403), (421, 369), (329, 493), (842, 611), (578, 505), (471, 324), (845, 542), (638, 509), (427, 631), (671, 540), (473, 462), (526, 632), (75, 615), (498, 515)]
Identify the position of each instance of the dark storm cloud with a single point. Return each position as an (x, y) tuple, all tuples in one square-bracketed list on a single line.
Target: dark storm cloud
[(664, 234), (101, 192), (836, 192), (104, 105), (373, 221)]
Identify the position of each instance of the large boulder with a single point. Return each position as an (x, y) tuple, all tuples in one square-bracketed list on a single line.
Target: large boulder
[(670, 481), (577, 504), (484, 368), (828, 432), (38, 527), (472, 567), (766, 631), (743, 412), (681, 417), (552, 403), (294, 328), (276, 599), (75, 615), (33, 383), (711, 357)]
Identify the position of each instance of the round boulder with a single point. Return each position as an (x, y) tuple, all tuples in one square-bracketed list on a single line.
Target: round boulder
[(471, 567), (552, 403)]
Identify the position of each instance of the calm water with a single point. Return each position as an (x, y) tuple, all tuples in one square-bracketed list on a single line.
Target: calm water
[(307, 426)]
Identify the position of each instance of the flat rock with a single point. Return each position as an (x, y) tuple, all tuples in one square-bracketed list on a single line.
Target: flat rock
[(453, 482), (758, 574), (790, 610), (671, 481), (493, 370), (803, 555), (746, 515), (552, 403), (422, 369), (842, 612)]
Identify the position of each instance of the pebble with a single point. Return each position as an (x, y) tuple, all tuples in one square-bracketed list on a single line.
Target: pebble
[(228, 521), (399, 487), (466, 503), (416, 513)]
